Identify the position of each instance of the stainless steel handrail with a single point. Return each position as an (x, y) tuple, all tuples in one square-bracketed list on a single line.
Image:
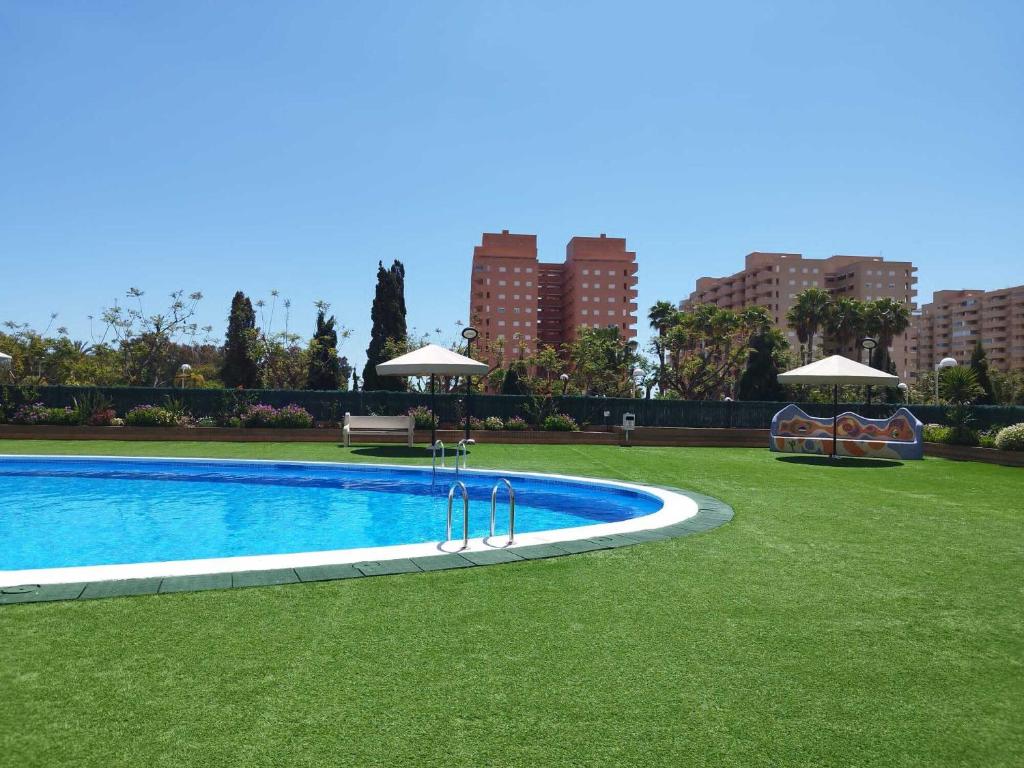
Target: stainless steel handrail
[(463, 448), (433, 455), (511, 508), (465, 513)]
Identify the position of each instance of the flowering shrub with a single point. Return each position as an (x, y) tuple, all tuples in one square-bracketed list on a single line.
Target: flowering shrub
[(1011, 438), (494, 423), (475, 423), (37, 413), (289, 417), (561, 422), (424, 418), (104, 418), (149, 416), (516, 423)]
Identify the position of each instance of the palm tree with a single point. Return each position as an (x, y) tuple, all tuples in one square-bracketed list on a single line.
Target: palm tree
[(662, 316), (888, 319), (807, 316), (844, 321), (960, 385)]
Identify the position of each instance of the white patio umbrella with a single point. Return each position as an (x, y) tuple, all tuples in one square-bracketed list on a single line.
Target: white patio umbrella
[(5, 361), (836, 370), (432, 361)]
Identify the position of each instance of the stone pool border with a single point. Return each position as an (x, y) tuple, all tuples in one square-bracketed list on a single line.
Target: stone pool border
[(711, 513)]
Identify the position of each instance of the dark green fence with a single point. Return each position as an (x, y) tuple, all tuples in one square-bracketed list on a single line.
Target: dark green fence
[(331, 406)]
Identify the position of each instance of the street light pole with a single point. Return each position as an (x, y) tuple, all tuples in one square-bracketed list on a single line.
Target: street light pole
[(868, 344), (469, 333), (946, 362)]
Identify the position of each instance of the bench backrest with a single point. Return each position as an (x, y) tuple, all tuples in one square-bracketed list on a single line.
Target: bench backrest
[(901, 427), (379, 422)]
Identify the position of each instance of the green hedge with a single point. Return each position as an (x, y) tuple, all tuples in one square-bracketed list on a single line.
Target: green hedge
[(332, 405)]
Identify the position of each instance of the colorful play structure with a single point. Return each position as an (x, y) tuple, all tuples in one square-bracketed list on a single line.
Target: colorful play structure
[(898, 437)]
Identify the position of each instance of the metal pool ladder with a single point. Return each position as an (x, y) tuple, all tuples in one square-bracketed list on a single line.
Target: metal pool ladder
[(494, 507), (465, 513), (463, 448), (433, 455)]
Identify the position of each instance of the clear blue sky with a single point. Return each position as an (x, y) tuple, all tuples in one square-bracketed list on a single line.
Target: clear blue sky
[(258, 145)]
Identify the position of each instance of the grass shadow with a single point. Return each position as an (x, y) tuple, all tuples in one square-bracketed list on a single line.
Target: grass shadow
[(394, 451), (842, 462)]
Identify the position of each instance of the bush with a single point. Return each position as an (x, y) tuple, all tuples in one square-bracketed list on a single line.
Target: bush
[(494, 423), (423, 416), (561, 422), (103, 418), (1010, 438), (37, 413), (149, 416), (936, 433), (516, 423), (289, 417)]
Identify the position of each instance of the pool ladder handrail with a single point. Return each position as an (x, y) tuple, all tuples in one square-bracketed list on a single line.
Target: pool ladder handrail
[(511, 508), (463, 448), (433, 455), (465, 513)]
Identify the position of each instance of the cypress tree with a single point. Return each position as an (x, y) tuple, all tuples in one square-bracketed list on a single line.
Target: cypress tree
[(240, 368), (388, 316), (760, 379), (324, 367), (979, 364), (512, 384)]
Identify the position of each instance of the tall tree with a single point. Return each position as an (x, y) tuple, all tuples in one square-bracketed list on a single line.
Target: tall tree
[(760, 378), (661, 316), (388, 317), (324, 366), (240, 368), (844, 322), (979, 364), (807, 316)]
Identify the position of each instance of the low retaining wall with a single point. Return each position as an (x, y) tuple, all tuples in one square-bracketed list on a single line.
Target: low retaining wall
[(649, 436)]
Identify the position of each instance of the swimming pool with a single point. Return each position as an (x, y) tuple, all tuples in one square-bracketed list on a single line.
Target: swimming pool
[(110, 517)]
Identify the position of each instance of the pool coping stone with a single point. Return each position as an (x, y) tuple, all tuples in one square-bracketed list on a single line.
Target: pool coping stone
[(711, 513)]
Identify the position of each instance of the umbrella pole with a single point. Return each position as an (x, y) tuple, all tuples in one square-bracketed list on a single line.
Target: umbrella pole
[(835, 416), (433, 413)]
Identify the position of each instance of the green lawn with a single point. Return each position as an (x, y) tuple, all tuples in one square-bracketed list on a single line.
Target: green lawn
[(850, 615)]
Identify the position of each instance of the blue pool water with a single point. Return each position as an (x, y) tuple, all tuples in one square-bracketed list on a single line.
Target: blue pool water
[(57, 512)]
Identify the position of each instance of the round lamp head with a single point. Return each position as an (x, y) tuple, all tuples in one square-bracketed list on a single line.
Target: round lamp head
[(637, 373), (185, 367), (469, 333), (902, 387), (868, 343), (564, 377), (948, 362)]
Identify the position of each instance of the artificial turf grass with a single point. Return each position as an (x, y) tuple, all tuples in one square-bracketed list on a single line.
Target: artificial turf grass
[(847, 616)]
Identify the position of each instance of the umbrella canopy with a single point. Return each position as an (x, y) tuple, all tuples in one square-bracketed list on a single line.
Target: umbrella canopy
[(5, 358), (432, 360), (838, 370)]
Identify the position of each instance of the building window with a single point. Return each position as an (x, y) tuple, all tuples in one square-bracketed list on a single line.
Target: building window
[(611, 313), (611, 286), (586, 285), (515, 283), (516, 270), (501, 323), (611, 299), (529, 283), (584, 311), (584, 298), (501, 296), (501, 282), (501, 309), (586, 271), (529, 270), (501, 269)]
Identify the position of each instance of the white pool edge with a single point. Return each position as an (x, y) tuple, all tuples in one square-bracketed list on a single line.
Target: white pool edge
[(675, 508)]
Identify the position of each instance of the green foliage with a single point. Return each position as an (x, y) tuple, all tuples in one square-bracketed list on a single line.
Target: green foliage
[(150, 416), (959, 385), (936, 433), (516, 424), (512, 384), (1010, 438), (494, 423), (240, 367), (760, 378), (388, 316), (560, 422), (324, 366), (602, 362), (979, 364), (289, 417), (807, 316), (423, 416)]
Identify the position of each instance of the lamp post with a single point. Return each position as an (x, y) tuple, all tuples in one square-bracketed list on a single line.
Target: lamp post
[(469, 333), (904, 390), (944, 363), (868, 343), (565, 382), (638, 380), (5, 364), (183, 373)]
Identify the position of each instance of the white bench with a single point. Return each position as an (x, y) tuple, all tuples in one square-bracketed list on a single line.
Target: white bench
[(377, 425)]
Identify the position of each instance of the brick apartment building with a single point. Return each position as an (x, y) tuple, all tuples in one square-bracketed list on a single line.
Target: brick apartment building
[(773, 280), (517, 301), (954, 321)]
